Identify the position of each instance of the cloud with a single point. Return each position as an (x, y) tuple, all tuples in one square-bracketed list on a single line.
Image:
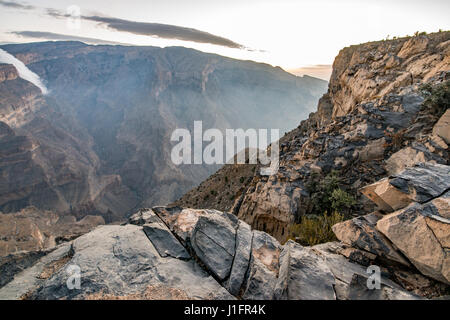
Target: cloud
[(23, 70), (322, 71), (16, 5), (166, 31), (59, 36)]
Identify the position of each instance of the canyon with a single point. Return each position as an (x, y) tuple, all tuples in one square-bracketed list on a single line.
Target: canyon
[(98, 143), (381, 129)]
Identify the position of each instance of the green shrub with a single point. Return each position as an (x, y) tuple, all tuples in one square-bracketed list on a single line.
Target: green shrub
[(341, 199), (326, 194), (241, 179), (315, 230), (437, 98)]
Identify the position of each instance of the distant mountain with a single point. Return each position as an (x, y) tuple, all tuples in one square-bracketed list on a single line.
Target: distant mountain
[(99, 142)]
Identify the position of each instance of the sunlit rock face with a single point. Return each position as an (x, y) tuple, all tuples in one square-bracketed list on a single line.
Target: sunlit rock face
[(99, 141), (370, 124)]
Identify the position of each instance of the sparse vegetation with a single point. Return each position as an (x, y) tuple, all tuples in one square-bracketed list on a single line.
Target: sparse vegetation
[(315, 229), (437, 98), (327, 195)]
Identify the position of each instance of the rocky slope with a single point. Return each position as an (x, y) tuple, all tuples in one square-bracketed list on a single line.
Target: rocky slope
[(99, 142), (182, 253), (371, 123), (33, 230)]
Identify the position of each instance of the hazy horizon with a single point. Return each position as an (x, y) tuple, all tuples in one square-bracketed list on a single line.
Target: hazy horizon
[(299, 36)]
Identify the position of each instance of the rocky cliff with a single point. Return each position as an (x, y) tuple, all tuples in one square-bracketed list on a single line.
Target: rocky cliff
[(375, 120), (99, 142), (387, 136), (182, 253)]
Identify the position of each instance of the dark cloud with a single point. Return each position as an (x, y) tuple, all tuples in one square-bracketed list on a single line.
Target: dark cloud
[(159, 30), (166, 31), (58, 36), (16, 5)]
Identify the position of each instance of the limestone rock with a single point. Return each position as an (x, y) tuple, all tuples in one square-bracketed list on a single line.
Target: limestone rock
[(29, 280), (213, 240), (342, 268), (422, 182), (264, 267), (404, 158), (241, 258), (409, 231), (180, 221), (304, 275), (442, 127), (387, 197), (361, 232), (164, 241), (358, 290), (144, 216), (120, 260)]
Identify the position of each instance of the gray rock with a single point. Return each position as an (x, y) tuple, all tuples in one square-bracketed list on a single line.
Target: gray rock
[(359, 290), (157, 232), (424, 181), (344, 270), (29, 279), (13, 264), (441, 128), (361, 232), (264, 267), (241, 258), (164, 241), (143, 216), (423, 240), (303, 275), (213, 240), (120, 260), (261, 282)]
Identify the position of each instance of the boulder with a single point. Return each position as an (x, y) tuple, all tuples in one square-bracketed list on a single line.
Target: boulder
[(164, 241), (264, 267), (361, 232), (119, 261), (358, 290), (213, 240), (157, 232), (180, 221), (411, 230), (304, 275), (442, 127), (404, 158), (422, 182), (144, 216), (345, 270), (387, 197), (241, 258)]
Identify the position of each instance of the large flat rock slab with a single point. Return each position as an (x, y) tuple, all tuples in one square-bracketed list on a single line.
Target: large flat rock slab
[(121, 261), (423, 240)]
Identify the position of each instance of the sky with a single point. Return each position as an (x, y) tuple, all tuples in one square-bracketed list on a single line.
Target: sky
[(300, 36)]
